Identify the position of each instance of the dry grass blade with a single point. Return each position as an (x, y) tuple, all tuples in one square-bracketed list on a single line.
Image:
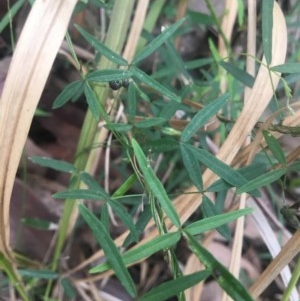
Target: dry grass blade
[(271, 241), (31, 64), (288, 252)]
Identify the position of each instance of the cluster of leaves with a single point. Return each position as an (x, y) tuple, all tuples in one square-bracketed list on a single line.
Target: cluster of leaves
[(153, 134)]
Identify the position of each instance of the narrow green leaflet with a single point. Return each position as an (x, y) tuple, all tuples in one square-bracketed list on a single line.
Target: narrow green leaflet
[(108, 53), (147, 249), (104, 216), (161, 145), (71, 92), (287, 68), (92, 100), (125, 217), (210, 223), (240, 75), (249, 172), (224, 171), (174, 287), (275, 147), (209, 210), (149, 81), (192, 166), (110, 250), (69, 290), (195, 64), (37, 223), (87, 179), (155, 185), (119, 127), (149, 122), (140, 225), (267, 27), (39, 274), (224, 278), (82, 194), (262, 180), (202, 117), (54, 164), (170, 108), (131, 102), (157, 42), (125, 186), (108, 75)]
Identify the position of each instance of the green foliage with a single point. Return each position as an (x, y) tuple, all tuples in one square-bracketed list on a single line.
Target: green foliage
[(202, 117), (174, 287), (267, 26), (159, 125), (154, 185), (228, 283), (209, 210), (111, 251)]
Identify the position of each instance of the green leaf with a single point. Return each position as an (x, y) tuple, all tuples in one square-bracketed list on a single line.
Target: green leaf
[(192, 166), (287, 68), (149, 122), (224, 278), (195, 64), (140, 225), (267, 27), (155, 185), (200, 18), (224, 171), (174, 287), (108, 53), (110, 250), (125, 217), (157, 42), (69, 290), (262, 180), (202, 117), (209, 210), (143, 251), (108, 75), (119, 127), (104, 216), (39, 274), (170, 108), (54, 164), (37, 223), (92, 184), (238, 74), (161, 145), (82, 194), (131, 102), (147, 80), (275, 147), (125, 186), (249, 172), (213, 222), (71, 92), (92, 100)]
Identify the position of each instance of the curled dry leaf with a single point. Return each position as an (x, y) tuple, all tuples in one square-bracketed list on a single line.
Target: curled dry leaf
[(45, 29)]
